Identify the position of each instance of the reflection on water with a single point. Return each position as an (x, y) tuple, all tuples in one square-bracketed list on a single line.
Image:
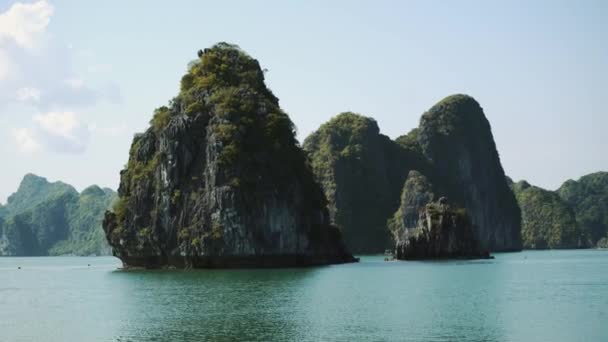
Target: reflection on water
[(554, 295)]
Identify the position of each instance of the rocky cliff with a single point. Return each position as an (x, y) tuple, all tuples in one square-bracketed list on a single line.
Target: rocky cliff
[(361, 172), (547, 220), (456, 138), (44, 218), (219, 180), (428, 228)]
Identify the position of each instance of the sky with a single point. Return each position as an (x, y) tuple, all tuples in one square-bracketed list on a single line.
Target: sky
[(79, 78)]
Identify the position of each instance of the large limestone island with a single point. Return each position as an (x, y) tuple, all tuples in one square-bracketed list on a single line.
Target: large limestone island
[(436, 192), (219, 180)]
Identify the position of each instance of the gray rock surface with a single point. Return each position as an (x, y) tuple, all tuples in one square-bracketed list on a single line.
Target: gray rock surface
[(457, 139), (218, 180), (427, 229)]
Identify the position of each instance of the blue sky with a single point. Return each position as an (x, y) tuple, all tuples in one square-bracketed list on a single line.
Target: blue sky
[(79, 78)]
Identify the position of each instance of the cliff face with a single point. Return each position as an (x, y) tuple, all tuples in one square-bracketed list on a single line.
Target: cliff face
[(425, 228), (417, 192), (457, 139), (44, 218), (219, 180), (588, 198), (361, 172), (547, 220)]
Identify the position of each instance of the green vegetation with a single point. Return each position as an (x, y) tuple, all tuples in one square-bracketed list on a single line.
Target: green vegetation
[(547, 220), (227, 86), (574, 216), (119, 207), (410, 141), (361, 172), (32, 191), (455, 115), (588, 197), (160, 119), (44, 218)]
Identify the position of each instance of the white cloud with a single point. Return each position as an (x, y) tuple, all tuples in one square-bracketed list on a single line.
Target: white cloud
[(25, 140), (38, 74), (31, 57), (26, 24), (62, 132), (59, 132), (58, 123), (26, 94)]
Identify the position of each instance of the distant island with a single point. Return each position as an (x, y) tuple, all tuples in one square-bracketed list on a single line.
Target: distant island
[(573, 216), (219, 180), (44, 218)]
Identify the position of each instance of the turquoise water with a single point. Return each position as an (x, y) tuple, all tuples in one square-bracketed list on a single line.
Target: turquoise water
[(528, 296)]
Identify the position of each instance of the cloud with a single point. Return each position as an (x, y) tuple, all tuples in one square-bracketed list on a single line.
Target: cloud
[(24, 138), (26, 24), (59, 132), (62, 124), (32, 58), (38, 75), (62, 132)]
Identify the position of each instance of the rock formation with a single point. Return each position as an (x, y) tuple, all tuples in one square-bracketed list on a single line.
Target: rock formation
[(456, 138), (425, 228), (219, 180), (361, 172)]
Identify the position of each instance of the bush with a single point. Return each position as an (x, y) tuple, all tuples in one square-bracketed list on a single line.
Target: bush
[(160, 119)]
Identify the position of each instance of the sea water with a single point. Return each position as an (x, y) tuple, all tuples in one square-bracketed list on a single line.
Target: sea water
[(527, 296)]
